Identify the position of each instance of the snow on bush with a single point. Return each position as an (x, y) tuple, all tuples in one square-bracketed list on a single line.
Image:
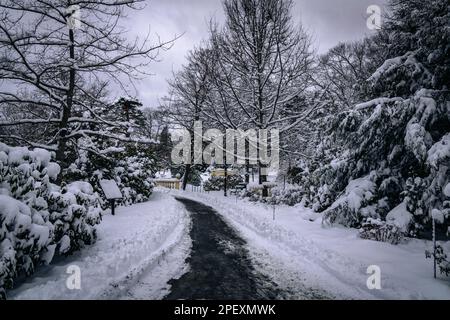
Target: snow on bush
[(278, 196), (375, 229), (397, 132), (441, 259), (74, 211), (37, 218), (349, 209), (132, 174), (290, 196), (253, 192), (400, 217), (217, 183), (447, 190), (440, 152)]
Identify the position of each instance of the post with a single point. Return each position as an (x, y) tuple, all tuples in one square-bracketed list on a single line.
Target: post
[(225, 181), (434, 246), (274, 212), (113, 206)]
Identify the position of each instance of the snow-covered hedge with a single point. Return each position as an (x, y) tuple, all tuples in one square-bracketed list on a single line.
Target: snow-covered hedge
[(38, 219), (289, 196), (217, 183)]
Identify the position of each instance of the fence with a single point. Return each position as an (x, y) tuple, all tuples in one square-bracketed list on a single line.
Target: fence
[(168, 183)]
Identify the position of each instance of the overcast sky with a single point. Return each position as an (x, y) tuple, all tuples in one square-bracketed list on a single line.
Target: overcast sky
[(328, 21)]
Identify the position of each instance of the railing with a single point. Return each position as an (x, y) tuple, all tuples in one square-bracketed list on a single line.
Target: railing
[(174, 184)]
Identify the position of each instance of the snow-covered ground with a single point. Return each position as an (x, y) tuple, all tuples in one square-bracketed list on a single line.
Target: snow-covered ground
[(144, 246), (297, 253), (138, 251)]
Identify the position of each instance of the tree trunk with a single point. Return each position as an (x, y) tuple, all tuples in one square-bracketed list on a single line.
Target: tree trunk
[(225, 182), (263, 179), (67, 109), (186, 176), (247, 174)]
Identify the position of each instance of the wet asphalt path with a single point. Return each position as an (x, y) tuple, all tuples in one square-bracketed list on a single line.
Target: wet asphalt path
[(220, 268)]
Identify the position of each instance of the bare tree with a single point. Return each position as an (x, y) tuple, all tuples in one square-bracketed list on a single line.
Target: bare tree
[(264, 62), (343, 72), (62, 55), (189, 90)]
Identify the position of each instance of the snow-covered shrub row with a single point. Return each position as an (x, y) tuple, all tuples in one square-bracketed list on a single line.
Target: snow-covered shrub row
[(37, 218), (253, 193), (388, 157)]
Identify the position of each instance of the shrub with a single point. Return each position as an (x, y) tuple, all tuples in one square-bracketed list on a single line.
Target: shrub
[(217, 183), (378, 230), (37, 218), (441, 259)]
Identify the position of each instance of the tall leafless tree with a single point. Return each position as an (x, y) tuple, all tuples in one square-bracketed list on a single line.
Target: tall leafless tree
[(265, 62), (63, 55), (189, 90)]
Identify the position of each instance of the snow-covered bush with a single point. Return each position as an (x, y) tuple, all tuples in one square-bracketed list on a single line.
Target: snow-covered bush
[(279, 196), (253, 193), (74, 212), (349, 209), (217, 183), (37, 218), (131, 169), (440, 216), (25, 240), (375, 229), (397, 138), (291, 196), (133, 176), (441, 259)]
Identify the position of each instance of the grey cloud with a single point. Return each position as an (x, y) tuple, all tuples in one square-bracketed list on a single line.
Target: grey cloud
[(329, 22)]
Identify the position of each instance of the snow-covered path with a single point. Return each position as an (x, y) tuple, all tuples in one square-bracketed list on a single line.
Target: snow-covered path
[(138, 251), (302, 256), (143, 251), (220, 267)]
